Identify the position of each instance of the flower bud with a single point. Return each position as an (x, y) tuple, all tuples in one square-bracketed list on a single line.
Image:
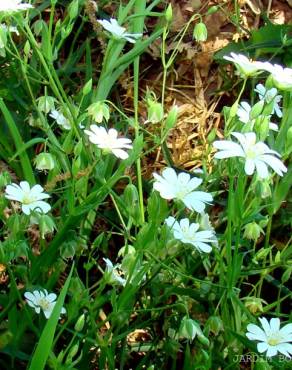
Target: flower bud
[(80, 323), (257, 109), (73, 351), (168, 13), (5, 179), (252, 231), (254, 304), (99, 111), (189, 329), (262, 254), (46, 103), (200, 33), (44, 161), (214, 324), (87, 87), (171, 118), (155, 112), (265, 188), (45, 222)]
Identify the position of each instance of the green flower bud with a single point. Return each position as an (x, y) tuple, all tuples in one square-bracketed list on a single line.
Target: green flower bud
[(252, 231), (171, 118), (189, 329), (5, 179), (73, 351), (80, 323), (155, 112), (254, 304), (45, 222), (262, 254), (87, 87), (257, 109), (262, 127), (44, 162), (46, 103), (214, 324), (200, 33), (99, 111), (265, 188), (168, 13), (233, 110)]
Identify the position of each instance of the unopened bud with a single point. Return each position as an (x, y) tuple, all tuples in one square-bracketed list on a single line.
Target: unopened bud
[(200, 33), (168, 13), (99, 111), (44, 162), (189, 329), (80, 323), (252, 231)]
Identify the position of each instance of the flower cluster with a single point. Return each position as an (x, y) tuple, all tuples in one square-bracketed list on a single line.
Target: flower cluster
[(281, 77), (181, 187)]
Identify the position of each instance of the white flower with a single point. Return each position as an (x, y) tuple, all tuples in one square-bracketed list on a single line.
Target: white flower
[(280, 76), (245, 66), (258, 156), (31, 198), (60, 119), (189, 234), (109, 141), (114, 272), (272, 339), (42, 300), (270, 96), (181, 187), (13, 6), (118, 31)]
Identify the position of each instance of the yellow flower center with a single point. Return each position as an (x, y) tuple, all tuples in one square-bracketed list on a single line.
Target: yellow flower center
[(27, 198), (44, 304), (274, 339)]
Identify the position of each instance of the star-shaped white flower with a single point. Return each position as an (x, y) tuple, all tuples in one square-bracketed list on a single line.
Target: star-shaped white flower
[(270, 95), (13, 6), (281, 76), (188, 233), (109, 141), (118, 31), (271, 338), (42, 300), (181, 187), (258, 156), (245, 66), (244, 114), (31, 199), (114, 272)]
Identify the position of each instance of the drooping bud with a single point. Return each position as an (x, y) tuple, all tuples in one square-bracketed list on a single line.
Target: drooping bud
[(200, 33), (99, 111), (252, 231), (44, 162)]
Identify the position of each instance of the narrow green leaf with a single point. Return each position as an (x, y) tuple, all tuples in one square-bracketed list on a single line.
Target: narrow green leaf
[(44, 346)]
